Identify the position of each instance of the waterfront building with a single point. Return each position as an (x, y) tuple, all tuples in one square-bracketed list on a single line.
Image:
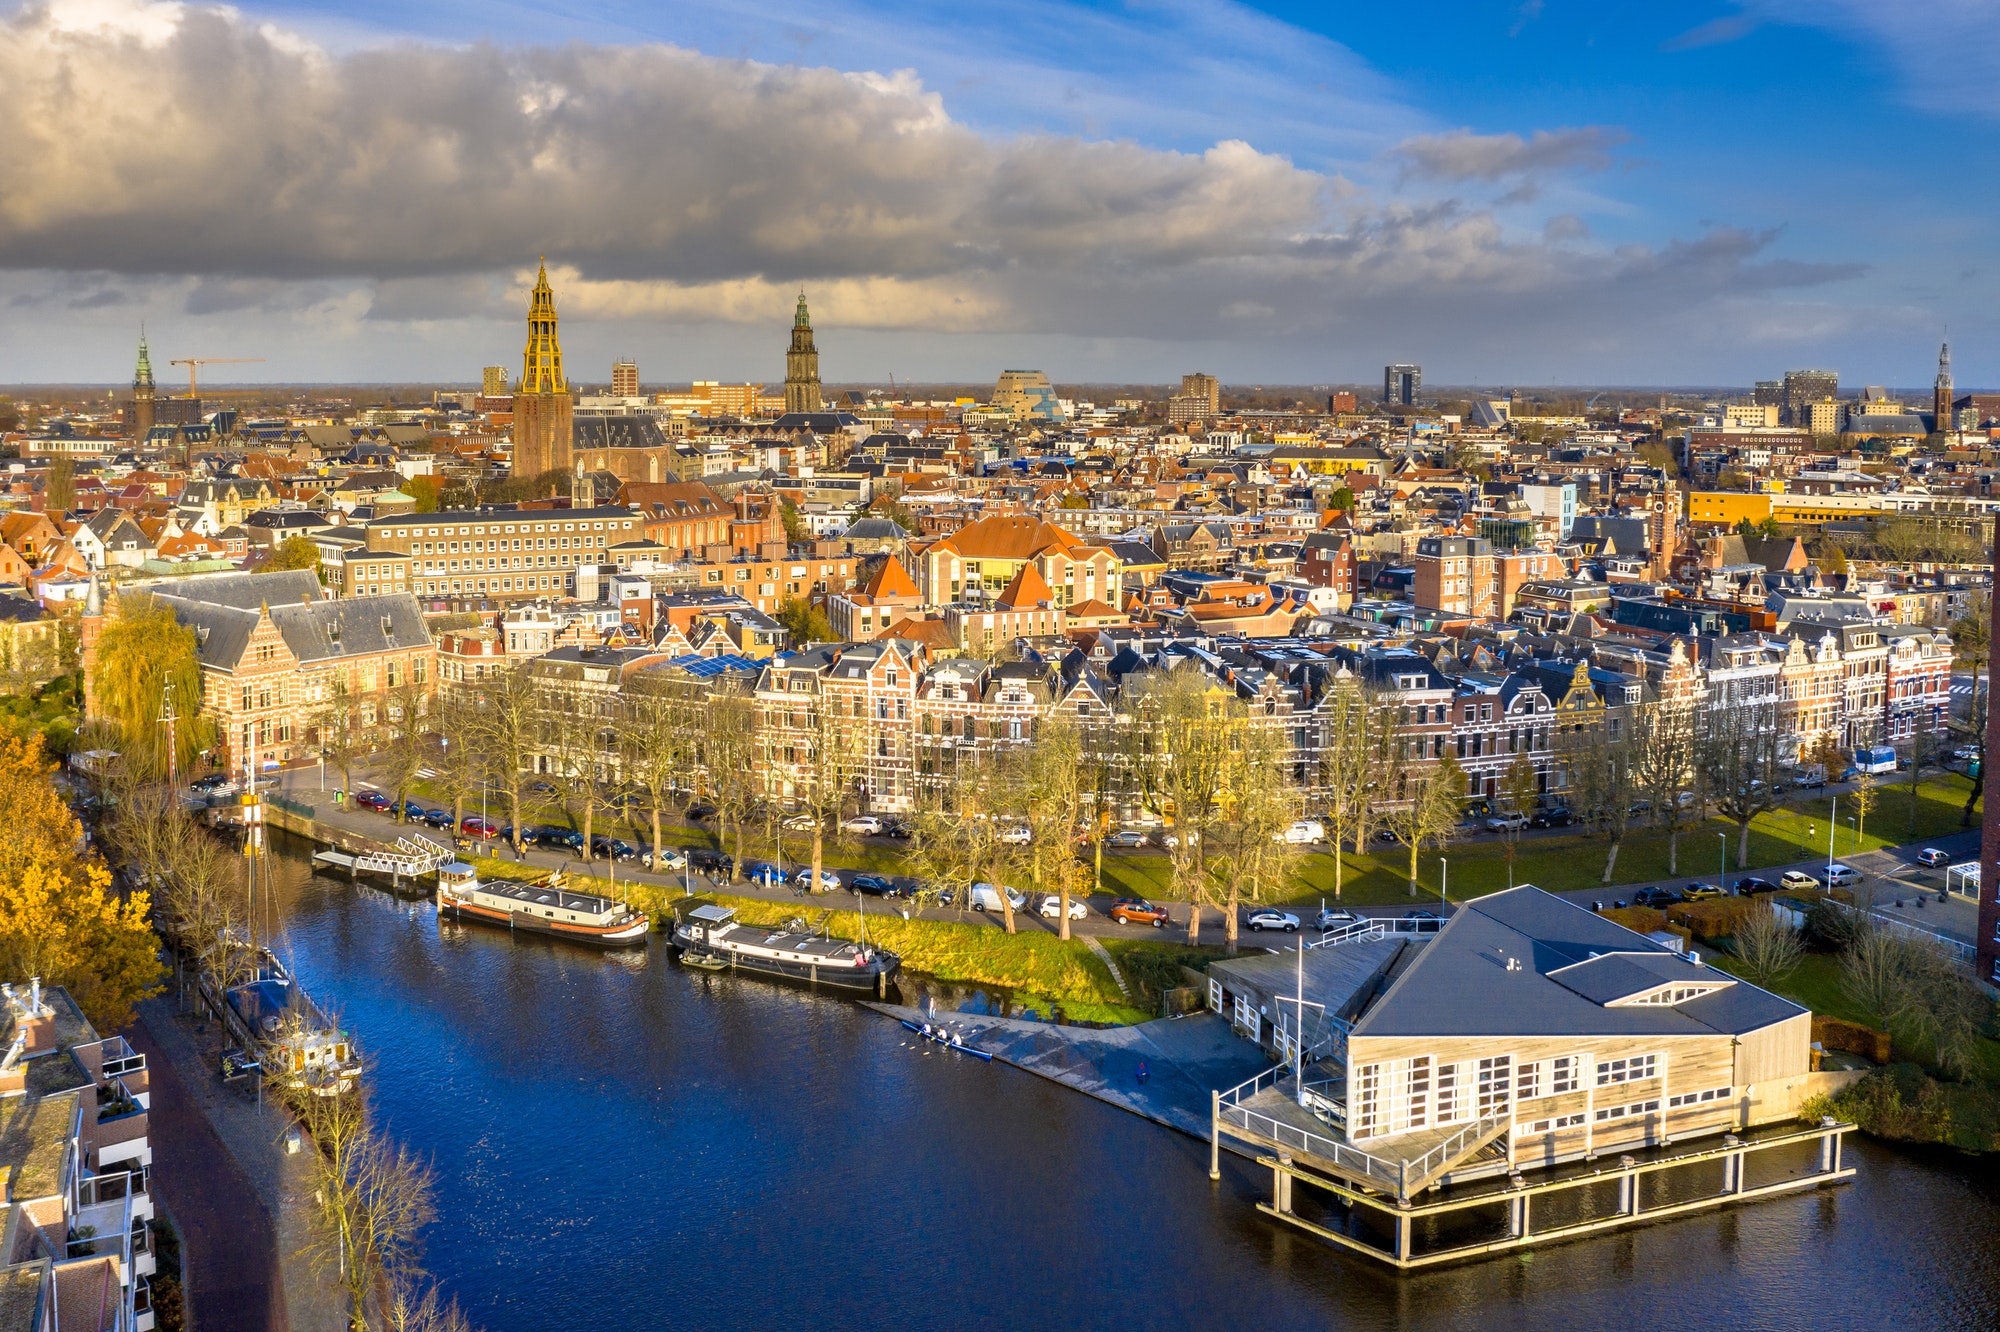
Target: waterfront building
[(76, 1160), (543, 408)]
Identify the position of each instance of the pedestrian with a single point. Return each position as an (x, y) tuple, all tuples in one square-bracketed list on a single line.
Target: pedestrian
[(1143, 1074)]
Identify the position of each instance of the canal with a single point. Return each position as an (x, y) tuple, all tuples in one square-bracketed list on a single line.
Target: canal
[(622, 1143)]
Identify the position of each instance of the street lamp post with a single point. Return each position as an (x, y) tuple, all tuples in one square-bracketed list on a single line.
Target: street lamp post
[(1444, 881), (1722, 861)]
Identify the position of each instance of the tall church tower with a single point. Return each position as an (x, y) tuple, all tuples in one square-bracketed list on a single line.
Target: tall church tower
[(1941, 391), (802, 365), (543, 433), (142, 392)]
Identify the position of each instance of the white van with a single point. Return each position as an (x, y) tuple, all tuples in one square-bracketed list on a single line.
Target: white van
[(985, 897)]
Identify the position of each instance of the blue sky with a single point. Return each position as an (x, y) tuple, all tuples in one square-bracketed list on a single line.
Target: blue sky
[(1512, 194)]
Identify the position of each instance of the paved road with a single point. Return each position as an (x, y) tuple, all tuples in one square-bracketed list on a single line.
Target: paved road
[(1899, 863), (229, 1246)]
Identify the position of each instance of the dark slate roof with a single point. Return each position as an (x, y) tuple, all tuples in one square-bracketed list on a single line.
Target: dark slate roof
[(618, 432), (873, 528), (820, 423), (1609, 977), (245, 591), (1460, 985)]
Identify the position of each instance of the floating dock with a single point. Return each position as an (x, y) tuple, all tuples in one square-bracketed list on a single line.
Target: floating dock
[(411, 858)]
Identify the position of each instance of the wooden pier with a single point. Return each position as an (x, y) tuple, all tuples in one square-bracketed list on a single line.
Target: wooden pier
[(1400, 1212), (411, 858)]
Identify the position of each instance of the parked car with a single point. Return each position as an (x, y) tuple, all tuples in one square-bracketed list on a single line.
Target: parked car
[(1506, 822), (411, 810), (1965, 753), (1173, 839), (612, 848), (1305, 832), (1701, 892), (663, 858), (865, 824), (474, 826), (1749, 887), (875, 885), (563, 839), (701, 809), (1126, 838), (1137, 911), (900, 828), (985, 897), (1798, 881), (764, 874), (1812, 779), (1269, 918), (790, 823), (1551, 818), (438, 818), (215, 781), (1840, 876), (1052, 908), (1658, 898), (372, 800), (1332, 918), (1017, 834), (710, 861), (1933, 857), (1421, 916), (539, 788), (829, 882)]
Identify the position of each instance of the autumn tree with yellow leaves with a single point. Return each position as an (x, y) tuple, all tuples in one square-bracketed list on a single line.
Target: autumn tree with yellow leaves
[(60, 918)]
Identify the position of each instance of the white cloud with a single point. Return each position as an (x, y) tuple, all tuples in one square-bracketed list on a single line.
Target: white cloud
[(1463, 155)]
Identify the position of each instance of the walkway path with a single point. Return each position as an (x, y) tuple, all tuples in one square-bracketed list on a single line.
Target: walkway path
[(260, 1195)]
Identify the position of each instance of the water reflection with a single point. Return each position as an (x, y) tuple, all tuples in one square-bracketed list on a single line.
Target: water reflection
[(633, 1144)]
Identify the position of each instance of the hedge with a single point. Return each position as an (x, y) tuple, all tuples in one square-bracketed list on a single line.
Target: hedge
[(1834, 1033)]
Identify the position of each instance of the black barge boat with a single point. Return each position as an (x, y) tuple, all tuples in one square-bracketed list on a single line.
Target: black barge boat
[(709, 934)]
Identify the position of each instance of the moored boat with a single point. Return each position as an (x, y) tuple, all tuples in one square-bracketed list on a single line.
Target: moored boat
[(541, 907), (293, 1040), (707, 933)]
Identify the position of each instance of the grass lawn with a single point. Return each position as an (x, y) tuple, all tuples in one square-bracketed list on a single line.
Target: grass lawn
[(1381, 878), (1037, 968)]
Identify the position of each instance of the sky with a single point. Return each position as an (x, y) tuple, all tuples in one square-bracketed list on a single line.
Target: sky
[(1512, 194)]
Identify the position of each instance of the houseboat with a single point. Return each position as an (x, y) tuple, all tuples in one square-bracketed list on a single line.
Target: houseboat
[(541, 907), (296, 1043), (708, 934)]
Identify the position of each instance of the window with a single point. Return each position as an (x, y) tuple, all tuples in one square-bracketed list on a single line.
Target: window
[(1551, 1125), (1368, 1083), (1448, 1107), (1494, 1077), (1562, 1074), (1697, 1098), (1528, 1082), (1635, 1069), (1625, 1111)]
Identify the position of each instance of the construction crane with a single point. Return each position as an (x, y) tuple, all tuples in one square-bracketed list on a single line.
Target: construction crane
[(194, 364)]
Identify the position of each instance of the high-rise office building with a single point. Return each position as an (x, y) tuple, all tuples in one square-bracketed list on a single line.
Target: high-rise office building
[(1027, 395), (1769, 393), (1805, 387), (1941, 392), (544, 436), (493, 382), (802, 390), (1206, 387), (1400, 384), (625, 379)]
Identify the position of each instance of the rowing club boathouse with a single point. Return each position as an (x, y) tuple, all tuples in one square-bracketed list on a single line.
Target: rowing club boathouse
[(1528, 1072)]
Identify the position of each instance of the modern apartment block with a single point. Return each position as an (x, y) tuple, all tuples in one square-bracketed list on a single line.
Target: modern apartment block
[(76, 1246)]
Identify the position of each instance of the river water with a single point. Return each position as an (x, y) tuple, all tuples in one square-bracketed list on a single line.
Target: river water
[(622, 1143)]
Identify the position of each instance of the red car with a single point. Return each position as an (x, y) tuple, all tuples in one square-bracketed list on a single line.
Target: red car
[(1137, 911), (477, 827), (372, 800)]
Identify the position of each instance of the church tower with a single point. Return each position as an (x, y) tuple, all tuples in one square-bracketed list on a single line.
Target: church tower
[(1941, 392), (543, 437), (142, 392), (802, 365)]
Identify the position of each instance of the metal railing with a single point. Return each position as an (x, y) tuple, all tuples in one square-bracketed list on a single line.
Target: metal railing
[(1230, 1107), (120, 1058), (109, 1187), (1958, 948), (1375, 927), (1453, 1147)]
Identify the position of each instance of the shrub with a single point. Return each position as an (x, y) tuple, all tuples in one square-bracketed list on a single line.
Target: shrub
[(1715, 919), (1851, 1038), (1830, 929), (1643, 920)]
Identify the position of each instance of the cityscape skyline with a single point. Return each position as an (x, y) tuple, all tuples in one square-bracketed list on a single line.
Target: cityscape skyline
[(1297, 205)]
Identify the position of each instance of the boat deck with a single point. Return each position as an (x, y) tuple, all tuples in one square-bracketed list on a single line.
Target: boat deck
[(542, 894), (785, 945)]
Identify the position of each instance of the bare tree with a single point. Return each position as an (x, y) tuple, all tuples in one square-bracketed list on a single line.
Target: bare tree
[(1737, 755), (956, 836), (659, 740), (1871, 973), (337, 725), (835, 759), (730, 739), (1180, 724), (1353, 727), (576, 738), (1055, 798), (1250, 855), (1662, 747), (460, 760), (413, 1305), (372, 1198), (409, 748), (1425, 801), (507, 733), (1602, 788), (1517, 792), (1767, 946)]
